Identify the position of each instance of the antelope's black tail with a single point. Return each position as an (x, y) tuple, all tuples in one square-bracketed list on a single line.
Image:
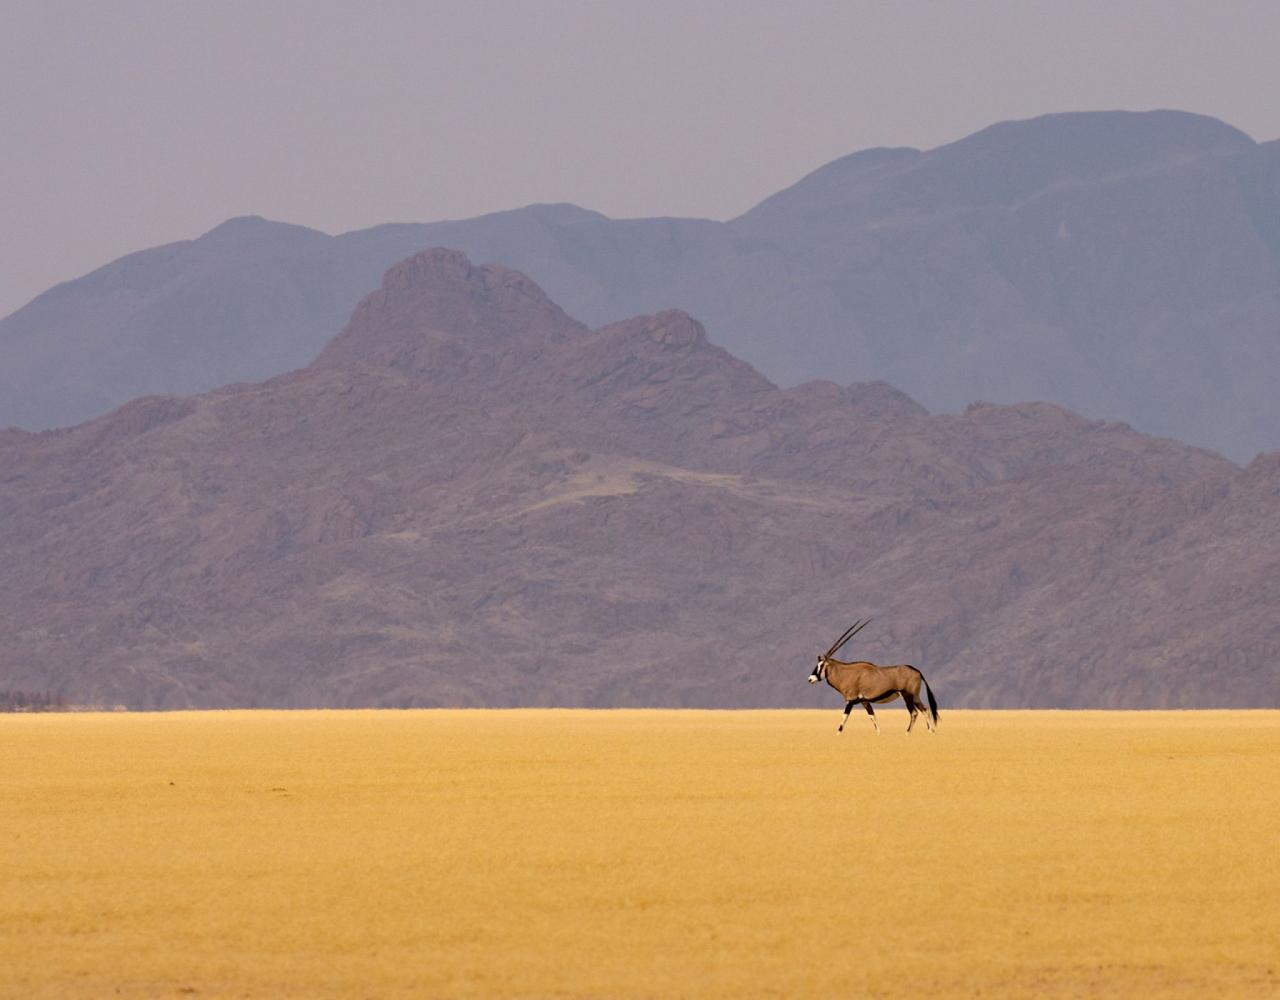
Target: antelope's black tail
[(933, 702)]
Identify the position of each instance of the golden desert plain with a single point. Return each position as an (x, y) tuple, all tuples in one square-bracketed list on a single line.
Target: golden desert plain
[(561, 853)]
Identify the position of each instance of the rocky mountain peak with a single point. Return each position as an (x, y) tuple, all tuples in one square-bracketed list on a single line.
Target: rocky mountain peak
[(438, 299), (438, 265), (672, 328), (1265, 468)]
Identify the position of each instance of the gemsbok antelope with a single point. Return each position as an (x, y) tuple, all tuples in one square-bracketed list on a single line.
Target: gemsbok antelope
[(863, 683)]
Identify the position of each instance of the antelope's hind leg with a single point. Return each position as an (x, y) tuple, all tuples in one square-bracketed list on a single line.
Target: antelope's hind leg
[(871, 711), (848, 707), (912, 708)]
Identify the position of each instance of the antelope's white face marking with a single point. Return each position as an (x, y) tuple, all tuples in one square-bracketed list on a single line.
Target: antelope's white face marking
[(817, 672)]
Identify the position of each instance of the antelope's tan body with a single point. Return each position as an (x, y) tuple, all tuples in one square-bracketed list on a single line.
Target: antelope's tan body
[(864, 681)]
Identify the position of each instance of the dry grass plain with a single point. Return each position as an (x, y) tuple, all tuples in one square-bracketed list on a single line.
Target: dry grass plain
[(638, 854)]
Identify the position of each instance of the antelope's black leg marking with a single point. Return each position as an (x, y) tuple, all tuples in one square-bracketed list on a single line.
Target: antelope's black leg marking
[(872, 712), (847, 709)]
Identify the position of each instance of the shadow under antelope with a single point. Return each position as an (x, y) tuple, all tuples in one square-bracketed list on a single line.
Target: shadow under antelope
[(863, 683)]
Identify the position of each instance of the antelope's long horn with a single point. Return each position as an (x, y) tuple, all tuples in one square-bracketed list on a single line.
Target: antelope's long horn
[(854, 629), (845, 636)]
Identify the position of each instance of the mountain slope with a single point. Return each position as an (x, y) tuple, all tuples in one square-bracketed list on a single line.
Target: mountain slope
[(471, 498), (1115, 263), (1126, 265)]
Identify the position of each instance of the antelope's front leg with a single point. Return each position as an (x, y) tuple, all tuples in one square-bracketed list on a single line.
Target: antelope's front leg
[(847, 709)]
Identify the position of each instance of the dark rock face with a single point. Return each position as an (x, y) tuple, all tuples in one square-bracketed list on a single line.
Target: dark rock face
[(1124, 265), (472, 499)]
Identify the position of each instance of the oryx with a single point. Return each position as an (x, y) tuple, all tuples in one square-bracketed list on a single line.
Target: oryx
[(863, 683)]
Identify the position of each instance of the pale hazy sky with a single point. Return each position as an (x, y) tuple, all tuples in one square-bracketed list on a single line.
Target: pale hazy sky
[(128, 124)]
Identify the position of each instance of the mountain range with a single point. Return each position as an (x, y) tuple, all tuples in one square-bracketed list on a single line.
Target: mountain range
[(470, 498), (1125, 265)]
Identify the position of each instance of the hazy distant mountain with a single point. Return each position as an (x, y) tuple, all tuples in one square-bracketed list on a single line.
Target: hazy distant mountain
[(470, 498), (1124, 264)]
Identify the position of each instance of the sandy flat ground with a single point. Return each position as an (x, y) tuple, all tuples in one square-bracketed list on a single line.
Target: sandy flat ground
[(639, 854)]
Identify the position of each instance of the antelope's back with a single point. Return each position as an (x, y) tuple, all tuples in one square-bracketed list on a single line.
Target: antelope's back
[(902, 675)]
